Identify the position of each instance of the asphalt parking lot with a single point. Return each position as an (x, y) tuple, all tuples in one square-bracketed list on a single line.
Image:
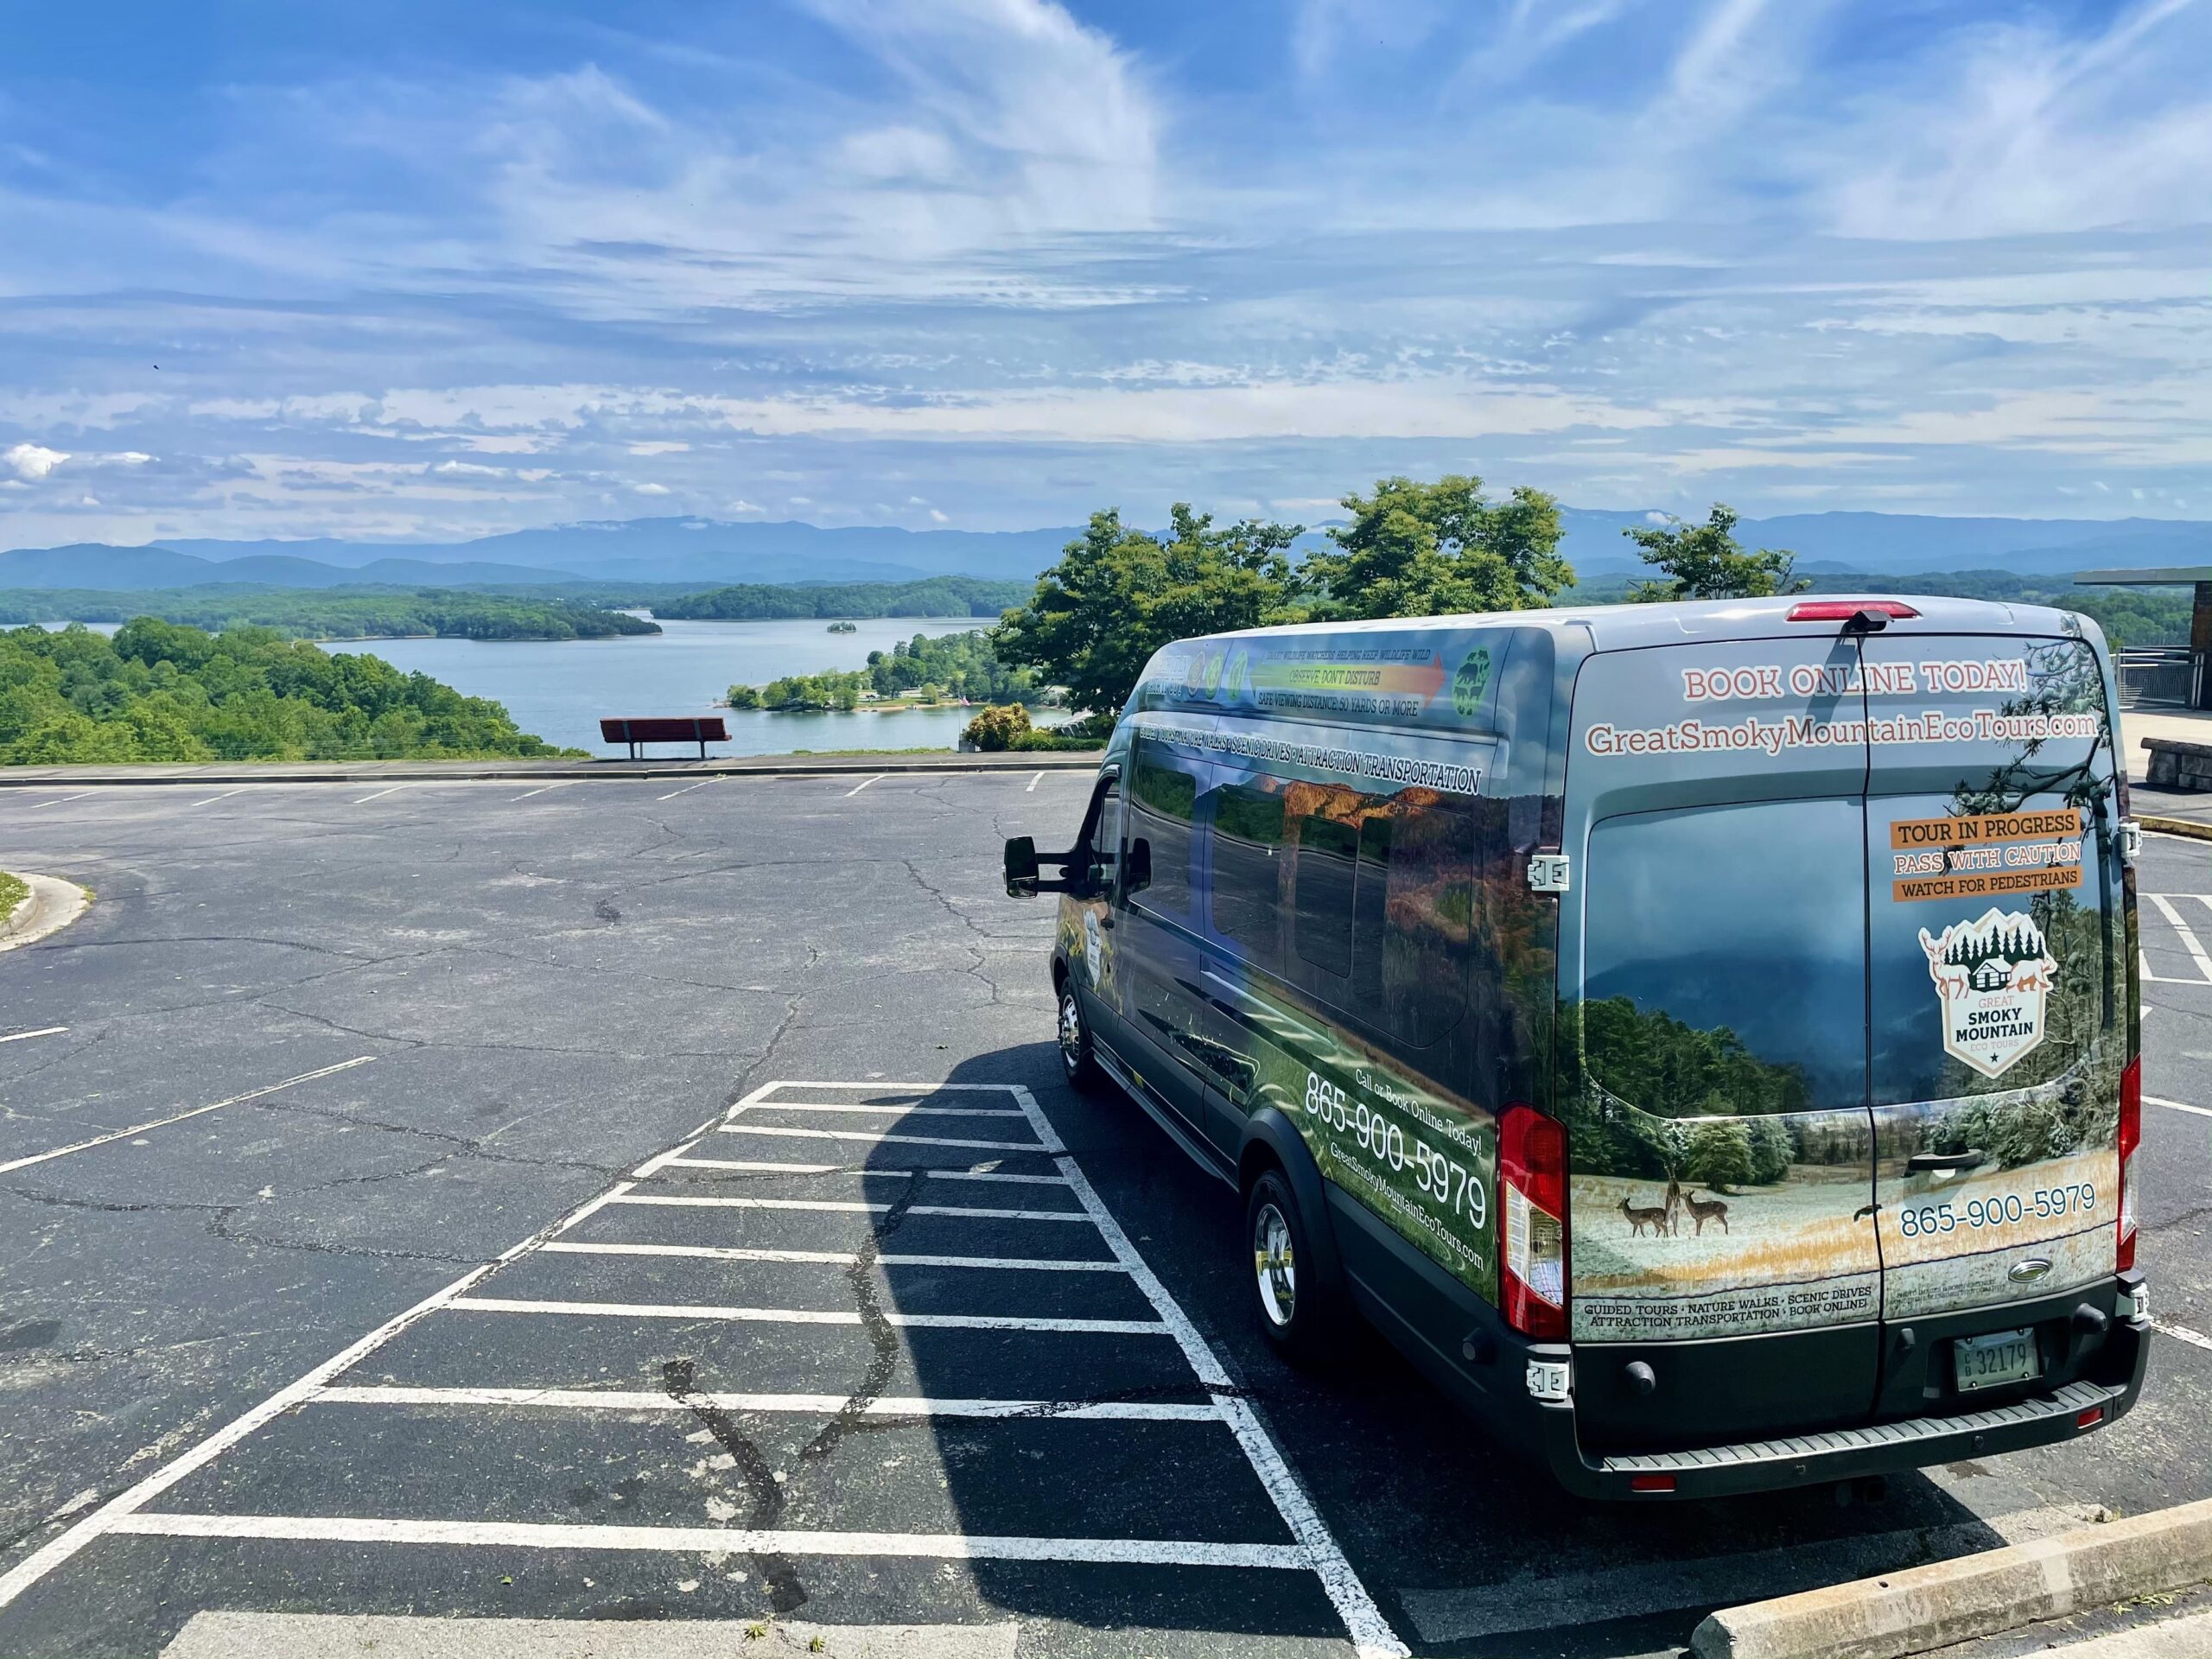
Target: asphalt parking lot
[(636, 1201)]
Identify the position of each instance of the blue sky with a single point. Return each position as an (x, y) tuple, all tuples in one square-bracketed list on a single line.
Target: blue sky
[(434, 271)]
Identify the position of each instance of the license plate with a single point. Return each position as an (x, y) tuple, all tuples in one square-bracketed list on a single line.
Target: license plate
[(1999, 1357)]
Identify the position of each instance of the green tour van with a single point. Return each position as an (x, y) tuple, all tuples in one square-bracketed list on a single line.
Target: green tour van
[(1702, 1036)]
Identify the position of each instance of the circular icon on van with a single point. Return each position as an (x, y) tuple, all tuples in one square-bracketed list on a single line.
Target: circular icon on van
[(1993, 975), (1467, 684)]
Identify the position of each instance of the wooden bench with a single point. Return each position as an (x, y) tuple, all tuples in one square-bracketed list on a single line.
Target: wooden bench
[(701, 729)]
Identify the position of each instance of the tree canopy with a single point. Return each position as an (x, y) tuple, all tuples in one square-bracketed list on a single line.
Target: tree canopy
[(1118, 595), (1705, 561), (159, 691), (1433, 550)]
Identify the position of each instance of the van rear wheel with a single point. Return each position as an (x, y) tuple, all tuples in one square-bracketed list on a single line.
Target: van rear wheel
[(1301, 1315), (1078, 1062)]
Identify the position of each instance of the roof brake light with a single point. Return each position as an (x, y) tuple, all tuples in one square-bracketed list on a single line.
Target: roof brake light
[(1843, 610)]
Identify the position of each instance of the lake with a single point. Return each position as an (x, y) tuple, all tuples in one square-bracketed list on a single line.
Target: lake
[(559, 689)]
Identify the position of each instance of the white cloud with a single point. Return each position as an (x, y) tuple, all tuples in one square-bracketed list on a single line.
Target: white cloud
[(649, 489), (32, 461), (659, 448), (939, 517), (467, 468)]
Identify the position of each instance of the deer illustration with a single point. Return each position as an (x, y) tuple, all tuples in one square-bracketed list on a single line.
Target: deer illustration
[(1705, 1210), (1638, 1219), (1673, 1205)]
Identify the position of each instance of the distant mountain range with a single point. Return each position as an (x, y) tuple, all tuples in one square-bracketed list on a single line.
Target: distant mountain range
[(711, 554)]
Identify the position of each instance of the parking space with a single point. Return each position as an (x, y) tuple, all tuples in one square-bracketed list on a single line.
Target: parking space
[(993, 1335), (946, 1288)]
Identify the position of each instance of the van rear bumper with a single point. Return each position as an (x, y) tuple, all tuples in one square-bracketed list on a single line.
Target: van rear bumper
[(2079, 1408)]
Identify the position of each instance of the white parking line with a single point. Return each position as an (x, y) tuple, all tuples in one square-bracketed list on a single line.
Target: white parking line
[(1370, 1632), (687, 789), (124, 1505), (2178, 1106), (179, 1118), (874, 1138), (715, 1540), (379, 795), (2188, 939), (1033, 782), (864, 783), (24, 1036), (541, 788), (1124, 1411), (2183, 1334), (915, 1111), (212, 799), (62, 800), (854, 1206), (807, 1316), (834, 1258)]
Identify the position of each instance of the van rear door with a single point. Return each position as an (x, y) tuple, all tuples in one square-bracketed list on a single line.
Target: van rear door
[(1998, 958), (1725, 1273)]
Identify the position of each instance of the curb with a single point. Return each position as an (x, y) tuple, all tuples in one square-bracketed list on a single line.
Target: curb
[(606, 772), (2188, 827), (52, 905), (1930, 1607)]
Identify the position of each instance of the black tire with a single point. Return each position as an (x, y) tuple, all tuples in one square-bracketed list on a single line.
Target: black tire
[(1301, 1315), (1079, 1062)]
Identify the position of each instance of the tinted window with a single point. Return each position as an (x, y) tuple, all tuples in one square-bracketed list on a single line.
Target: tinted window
[(1322, 884), (1247, 847), (1414, 916), (1723, 958), (1163, 800)]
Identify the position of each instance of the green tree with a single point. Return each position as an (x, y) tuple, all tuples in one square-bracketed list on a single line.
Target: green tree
[(1118, 595), (743, 696), (1705, 561), (1720, 1155), (1433, 550), (999, 727)]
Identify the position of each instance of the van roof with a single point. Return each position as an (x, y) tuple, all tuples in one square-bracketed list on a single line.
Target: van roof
[(1629, 626)]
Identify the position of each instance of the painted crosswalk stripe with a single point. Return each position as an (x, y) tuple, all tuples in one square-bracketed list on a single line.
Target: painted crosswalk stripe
[(1120, 1411), (715, 1540), (833, 1258), (808, 1316), (872, 1137), (855, 1206)]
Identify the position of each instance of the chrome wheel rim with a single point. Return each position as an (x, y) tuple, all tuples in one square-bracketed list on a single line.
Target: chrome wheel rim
[(1272, 1262), (1071, 1033)]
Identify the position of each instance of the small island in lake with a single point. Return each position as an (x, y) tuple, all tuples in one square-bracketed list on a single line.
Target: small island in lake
[(844, 627)]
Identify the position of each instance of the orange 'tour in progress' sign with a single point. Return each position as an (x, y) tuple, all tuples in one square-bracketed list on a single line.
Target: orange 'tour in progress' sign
[(1985, 854)]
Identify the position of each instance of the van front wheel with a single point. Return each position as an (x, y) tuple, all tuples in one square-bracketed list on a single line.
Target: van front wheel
[(1077, 1063), (1300, 1314)]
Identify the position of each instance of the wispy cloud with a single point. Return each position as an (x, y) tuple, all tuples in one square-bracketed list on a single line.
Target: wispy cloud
[(995, 262)]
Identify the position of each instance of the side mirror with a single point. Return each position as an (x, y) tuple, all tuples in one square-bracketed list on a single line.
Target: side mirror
[(1138, 876), (1021, 866)]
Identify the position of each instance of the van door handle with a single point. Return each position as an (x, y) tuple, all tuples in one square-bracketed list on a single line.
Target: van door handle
[(1921, 1162)]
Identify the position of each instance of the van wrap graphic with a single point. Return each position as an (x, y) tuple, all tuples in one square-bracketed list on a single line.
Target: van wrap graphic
[(1992, 975)]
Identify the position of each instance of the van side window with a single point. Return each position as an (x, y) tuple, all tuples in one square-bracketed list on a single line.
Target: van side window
[(1247, 847), (1414, 916), (1321, 916), (1163, 799)]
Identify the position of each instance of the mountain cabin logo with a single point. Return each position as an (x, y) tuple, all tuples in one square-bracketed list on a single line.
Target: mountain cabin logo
[(1993, 975)]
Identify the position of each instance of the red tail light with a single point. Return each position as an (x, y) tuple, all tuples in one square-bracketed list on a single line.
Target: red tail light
[(2131, 1137), (1651, 1483), (1843, 610), (2090, 1418), (1532, 1233)]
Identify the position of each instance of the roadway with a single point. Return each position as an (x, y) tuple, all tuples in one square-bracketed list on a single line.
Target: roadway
[(562, 1203)]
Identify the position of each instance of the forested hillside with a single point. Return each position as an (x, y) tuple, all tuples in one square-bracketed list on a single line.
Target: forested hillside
[(331, 613), (158, 691)]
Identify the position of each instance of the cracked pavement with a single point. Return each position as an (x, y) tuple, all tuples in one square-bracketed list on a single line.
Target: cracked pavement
[(553, 989)]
